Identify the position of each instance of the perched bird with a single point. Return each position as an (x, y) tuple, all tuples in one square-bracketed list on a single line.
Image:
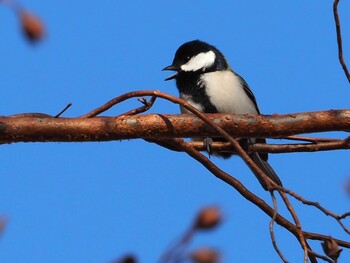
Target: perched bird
[(206, 81)]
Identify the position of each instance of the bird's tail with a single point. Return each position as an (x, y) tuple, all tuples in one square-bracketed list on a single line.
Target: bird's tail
[(266, 168)]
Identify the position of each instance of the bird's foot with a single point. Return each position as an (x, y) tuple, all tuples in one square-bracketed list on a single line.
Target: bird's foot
[(207, 144)]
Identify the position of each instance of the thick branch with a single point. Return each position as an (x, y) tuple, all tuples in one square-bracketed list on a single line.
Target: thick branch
[(24, 128)]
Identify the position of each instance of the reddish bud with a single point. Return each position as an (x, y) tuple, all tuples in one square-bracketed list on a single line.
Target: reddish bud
[(208, 218), (205, 255), (32, 27), (331, 248), (126, 259)]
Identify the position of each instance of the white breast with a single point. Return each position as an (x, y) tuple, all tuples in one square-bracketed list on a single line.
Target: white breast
[(226, 92)]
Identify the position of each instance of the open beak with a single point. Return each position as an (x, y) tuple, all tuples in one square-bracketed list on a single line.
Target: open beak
[(173, 68)]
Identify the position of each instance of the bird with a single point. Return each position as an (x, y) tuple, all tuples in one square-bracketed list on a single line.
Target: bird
[(206, 81)]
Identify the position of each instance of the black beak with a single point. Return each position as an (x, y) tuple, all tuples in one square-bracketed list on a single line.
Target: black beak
[(173, 68)]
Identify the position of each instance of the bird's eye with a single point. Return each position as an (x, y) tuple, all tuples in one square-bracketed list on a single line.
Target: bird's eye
[(188, 58)]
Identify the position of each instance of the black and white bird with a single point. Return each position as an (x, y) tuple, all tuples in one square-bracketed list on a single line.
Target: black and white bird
[(206, 81)]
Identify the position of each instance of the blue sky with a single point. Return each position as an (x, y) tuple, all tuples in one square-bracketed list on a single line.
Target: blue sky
[(93, 202)]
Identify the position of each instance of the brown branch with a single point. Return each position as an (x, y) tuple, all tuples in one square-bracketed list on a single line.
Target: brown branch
[(321, 256), (22, 128), (118, 100), (320, 237), (178, 143), (309, 139), (146, 106), (339, 39), (278, 148), (221, 132), (35, 128), (301, 236), (272, 232), (63, 110), (327, 212)]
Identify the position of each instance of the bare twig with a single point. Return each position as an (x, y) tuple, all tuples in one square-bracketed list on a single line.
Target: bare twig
[(347, 140), (309, 139), (321, 256), (119, 99), (62, 111), (272, 233), (339, 39), (14, 5), (327, 212), (301, 236), (146, 106), (320, 237), (278, 148), (175, 250)]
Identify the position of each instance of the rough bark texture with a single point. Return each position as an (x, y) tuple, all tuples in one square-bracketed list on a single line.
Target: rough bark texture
[(34, 128)]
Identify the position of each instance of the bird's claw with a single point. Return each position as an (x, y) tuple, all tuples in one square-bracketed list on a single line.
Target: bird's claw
[(207, 144)]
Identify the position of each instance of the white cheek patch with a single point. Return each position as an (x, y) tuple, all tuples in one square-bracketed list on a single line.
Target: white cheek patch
[(201, 61)]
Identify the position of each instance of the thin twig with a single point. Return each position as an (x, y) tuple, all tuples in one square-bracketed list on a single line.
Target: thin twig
[(62, 111), (321, 256), (117, 100), (175, 250), (308, 139), (339, 39), (146, 106), (272, 233), (327, 212), (301, 237), (344, 215), (347, 140), (277, 148), (320, 237), (14, 5), (164, 143)]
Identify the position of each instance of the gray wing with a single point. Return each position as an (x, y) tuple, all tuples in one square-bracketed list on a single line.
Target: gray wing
[(248, 91)]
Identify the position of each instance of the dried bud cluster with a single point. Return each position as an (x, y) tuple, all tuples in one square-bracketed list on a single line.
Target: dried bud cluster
[(32, 27), (331, 249), (205, 255), (208, 218)]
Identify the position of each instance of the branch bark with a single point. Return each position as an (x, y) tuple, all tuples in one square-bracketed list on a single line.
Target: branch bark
[(37, 128)]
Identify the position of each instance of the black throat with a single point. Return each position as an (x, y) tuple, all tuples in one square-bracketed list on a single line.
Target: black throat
[(188, 83)]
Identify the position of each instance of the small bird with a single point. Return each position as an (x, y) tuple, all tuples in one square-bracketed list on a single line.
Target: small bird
[(206, 81)]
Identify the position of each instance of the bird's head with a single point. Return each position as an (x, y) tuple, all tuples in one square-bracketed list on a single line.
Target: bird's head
[(197, 57)]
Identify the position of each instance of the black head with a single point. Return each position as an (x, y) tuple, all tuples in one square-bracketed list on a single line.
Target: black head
[(197, 57)]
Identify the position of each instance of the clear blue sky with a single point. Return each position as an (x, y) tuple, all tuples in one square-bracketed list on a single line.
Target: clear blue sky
[(93, 202)]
